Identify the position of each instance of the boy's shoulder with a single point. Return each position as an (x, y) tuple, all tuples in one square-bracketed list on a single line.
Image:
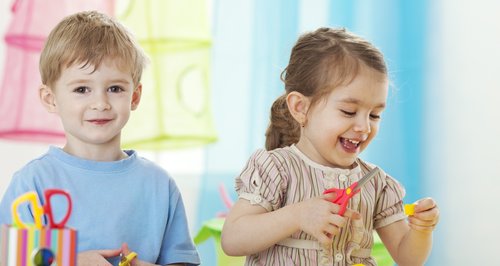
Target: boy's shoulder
[(36, 162), (55, 158), (144, 161), (149, 167)]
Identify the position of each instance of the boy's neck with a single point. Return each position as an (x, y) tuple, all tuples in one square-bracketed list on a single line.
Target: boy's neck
[(96, 152)]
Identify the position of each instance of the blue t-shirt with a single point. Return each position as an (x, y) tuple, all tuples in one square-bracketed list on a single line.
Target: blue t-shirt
[(131, 200)]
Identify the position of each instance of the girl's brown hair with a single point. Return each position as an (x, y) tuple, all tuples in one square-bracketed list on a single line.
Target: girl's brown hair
[(319, 62), (89, 37)]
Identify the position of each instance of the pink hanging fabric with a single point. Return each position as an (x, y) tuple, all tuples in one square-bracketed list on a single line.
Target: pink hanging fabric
[(22, 115)]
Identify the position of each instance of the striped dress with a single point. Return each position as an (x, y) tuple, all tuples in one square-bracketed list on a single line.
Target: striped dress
[(273, 179)]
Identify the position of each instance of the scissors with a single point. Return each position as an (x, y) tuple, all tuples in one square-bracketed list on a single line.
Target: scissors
[(125, 260), (38, 210), (343, 195)]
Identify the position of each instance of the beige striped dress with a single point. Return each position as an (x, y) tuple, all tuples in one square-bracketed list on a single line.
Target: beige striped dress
[(273, 179)]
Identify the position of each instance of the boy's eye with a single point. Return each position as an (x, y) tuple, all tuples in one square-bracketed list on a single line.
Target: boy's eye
[(81, 89), (115, 89)]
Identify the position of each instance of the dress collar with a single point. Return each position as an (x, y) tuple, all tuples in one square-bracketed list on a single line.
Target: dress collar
[(327, 169)]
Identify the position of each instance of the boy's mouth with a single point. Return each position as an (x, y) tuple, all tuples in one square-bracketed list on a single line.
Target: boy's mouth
[(99, 121)]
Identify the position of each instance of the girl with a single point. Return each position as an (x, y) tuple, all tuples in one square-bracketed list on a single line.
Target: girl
[(336, 90)]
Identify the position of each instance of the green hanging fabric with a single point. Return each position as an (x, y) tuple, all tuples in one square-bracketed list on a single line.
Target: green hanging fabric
[(213, 229), (175, 109)]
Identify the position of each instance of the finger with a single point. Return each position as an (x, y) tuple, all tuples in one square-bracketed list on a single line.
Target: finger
[(352, 214), (424, 204), (333, 207), (329, 196), (325, 238), (419, 222), (107, 253), (429, 215), (125, 249), (337, 220), (331, 230), (425, 229)]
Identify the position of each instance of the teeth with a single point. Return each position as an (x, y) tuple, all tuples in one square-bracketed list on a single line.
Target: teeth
[(353, 141)]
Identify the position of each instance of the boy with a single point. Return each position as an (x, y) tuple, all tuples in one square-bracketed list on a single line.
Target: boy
[(91, 69)]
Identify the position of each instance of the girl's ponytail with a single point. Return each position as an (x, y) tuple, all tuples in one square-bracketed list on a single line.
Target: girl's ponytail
[(283, 130)]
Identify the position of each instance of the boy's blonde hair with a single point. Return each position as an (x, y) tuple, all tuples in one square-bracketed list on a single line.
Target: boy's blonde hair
[(88, 38)]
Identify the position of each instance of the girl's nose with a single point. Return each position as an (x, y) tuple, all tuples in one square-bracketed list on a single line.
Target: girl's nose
[(363, 125)]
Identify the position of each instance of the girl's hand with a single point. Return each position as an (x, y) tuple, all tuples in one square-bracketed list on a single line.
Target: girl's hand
[(319, 218), (96, 257), (426, 216)]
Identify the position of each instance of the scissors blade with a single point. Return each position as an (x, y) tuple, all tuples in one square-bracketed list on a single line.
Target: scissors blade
[(367, 177)]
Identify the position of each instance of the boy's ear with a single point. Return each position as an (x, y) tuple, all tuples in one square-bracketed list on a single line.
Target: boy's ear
[(136, 97), (298, 104), (47, 98)]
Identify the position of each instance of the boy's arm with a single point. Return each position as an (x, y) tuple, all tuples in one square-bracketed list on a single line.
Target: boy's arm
[(410, 244), (177, 247)]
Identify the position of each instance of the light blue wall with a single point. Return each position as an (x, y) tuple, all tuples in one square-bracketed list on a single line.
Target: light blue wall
[(399, 30), (251, 46), (439, 134)]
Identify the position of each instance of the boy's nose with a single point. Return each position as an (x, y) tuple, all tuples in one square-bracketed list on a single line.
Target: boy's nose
[(100, 103)]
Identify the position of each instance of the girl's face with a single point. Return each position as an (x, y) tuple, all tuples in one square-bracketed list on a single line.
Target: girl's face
[(340, 126)]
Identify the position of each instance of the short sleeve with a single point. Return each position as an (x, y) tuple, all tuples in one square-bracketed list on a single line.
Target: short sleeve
[(17, 187), (178, 246), (261, 181), (389, 206)]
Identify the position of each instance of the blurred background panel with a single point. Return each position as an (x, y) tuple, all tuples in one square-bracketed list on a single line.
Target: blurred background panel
[(438, 135)]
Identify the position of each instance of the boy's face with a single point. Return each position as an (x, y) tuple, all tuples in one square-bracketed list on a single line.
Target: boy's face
[(339, 128), (93, 106)]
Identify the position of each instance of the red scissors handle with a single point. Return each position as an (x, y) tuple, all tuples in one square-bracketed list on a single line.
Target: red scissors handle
[(342, 196), (47, 208)]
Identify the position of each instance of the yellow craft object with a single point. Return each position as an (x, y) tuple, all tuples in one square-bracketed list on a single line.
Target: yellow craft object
[(32, 199), (125, 261), (409, 209)]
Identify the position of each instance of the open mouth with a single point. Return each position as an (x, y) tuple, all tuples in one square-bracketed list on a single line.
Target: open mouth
[(350, 145)]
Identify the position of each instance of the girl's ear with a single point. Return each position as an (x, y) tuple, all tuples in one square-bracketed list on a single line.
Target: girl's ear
[(298, 104), (47, 98), (136, 97)]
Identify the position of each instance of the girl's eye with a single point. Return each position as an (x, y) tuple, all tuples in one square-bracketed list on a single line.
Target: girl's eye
[(375, 117), (81, 89), (115, 89), (348, 113)]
